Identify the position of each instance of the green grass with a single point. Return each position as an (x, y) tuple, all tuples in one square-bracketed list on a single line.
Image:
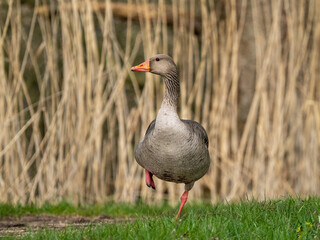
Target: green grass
[(111, 209), (275, 219)]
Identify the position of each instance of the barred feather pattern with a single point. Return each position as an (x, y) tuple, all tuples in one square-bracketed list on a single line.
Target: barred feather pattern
[(172, 88)]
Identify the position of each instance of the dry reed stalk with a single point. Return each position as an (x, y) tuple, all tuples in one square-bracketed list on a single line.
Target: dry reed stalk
[(74, 139)]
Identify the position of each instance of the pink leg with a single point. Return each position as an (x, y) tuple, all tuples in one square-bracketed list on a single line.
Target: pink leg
[(149, 180), (183, 199)]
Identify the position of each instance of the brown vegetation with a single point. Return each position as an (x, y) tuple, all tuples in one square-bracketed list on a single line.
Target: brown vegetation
[(250, 76)]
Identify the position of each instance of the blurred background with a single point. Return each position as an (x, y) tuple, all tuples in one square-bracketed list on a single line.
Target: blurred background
[(72, 112)]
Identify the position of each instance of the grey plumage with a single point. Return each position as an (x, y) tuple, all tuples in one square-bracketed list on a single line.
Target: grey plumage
[(176, 159), (172, 149)]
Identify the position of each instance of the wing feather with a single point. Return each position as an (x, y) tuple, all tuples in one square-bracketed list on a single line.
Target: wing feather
[(193, 126), (151, 127), (198, 130)]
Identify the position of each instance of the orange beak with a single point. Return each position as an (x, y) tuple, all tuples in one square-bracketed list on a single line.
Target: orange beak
[(142, 67)]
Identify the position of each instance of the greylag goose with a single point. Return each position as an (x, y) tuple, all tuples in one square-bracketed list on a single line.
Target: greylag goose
[(172, 149)]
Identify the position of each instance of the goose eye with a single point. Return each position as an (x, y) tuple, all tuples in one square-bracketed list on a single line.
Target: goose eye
[(157, 59)]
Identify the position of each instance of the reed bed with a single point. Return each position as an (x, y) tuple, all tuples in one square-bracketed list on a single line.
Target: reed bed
[(71, 112)]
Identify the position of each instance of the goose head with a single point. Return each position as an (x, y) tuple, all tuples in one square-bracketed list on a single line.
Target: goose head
[(160, 64)]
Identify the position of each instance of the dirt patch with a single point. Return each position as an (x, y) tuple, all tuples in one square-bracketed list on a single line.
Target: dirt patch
[(18, 226)]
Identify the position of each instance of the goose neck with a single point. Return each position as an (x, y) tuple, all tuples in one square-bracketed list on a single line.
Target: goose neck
[(172, 90)]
